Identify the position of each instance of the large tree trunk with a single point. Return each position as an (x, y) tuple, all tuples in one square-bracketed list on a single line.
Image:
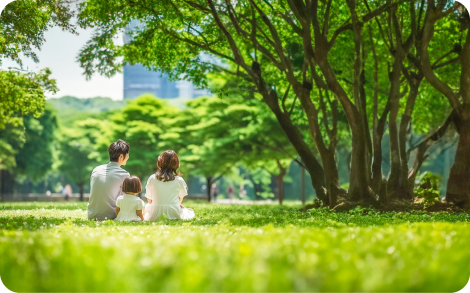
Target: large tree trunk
[(332, 178), (312, 165), (358, 183), (458, 186), (359, 180)]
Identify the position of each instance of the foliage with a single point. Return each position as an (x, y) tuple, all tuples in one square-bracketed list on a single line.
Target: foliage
[(289, 51), (23, 93), (24, 22), (428, 188), (429, 180), (77, 152), (268, 247), (36, 157), (11, 140), (20, 94), (140, 123)]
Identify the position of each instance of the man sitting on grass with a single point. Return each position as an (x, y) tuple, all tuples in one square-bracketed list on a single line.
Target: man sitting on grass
[(106, 182)]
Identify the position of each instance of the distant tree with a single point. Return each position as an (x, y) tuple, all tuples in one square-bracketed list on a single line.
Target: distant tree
[(32, 150), (36, 157), (22, 27), (11, 140), (141, 123), (78, 154)]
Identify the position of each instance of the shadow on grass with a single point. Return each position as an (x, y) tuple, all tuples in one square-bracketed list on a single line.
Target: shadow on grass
[(246, 216), (29, 223), (42, 205)]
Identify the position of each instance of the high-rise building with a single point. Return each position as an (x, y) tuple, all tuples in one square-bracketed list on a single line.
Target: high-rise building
[(138, 80)]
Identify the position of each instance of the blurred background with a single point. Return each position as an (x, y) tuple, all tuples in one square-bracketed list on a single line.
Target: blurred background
[(231, 147)]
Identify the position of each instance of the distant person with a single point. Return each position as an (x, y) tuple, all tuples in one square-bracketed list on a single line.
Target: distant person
[(166, 190), (230, 192), (242, 192), (106, 181), (214, 191), (128, 206), (67, 191)]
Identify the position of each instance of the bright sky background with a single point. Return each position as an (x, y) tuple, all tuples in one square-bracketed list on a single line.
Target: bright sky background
[(59, 53)]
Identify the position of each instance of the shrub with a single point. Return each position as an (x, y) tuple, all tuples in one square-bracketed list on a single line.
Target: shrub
[(428, 188)]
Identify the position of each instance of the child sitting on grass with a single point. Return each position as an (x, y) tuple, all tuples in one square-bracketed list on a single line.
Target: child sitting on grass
[(128, 206)]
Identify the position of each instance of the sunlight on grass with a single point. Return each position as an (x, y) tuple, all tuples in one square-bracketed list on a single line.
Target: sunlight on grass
[(233, 248)]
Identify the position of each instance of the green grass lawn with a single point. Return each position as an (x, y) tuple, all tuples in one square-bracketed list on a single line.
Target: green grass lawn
[(53, 247)]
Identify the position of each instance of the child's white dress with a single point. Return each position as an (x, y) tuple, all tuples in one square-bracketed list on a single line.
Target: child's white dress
[(128, 205), (165, 199)]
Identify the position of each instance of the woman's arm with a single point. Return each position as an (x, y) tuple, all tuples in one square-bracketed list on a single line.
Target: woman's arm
[(149, 200), (139, 213), (117, 211), (181, 200)]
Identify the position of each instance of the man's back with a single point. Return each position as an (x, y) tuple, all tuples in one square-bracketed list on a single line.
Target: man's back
[(105, 186)]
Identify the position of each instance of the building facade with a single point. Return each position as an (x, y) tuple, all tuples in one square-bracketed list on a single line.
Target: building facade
[(138, 80)]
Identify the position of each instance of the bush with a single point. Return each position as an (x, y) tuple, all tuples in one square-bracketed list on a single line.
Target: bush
[(428, 188)]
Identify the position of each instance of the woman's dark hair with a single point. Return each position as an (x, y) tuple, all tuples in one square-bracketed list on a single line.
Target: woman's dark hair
[(118, 148), (132, 184), (167, 165)]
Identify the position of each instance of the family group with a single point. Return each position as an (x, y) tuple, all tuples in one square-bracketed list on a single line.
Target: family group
[(113, 192)]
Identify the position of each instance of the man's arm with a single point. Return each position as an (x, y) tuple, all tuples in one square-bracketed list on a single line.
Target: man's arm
[(117, 211)]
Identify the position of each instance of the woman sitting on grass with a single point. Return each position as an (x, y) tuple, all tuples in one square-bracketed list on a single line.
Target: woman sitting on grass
[(165, 191), (128, 206)]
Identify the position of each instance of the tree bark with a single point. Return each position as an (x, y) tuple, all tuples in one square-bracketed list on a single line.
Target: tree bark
[(458, 186), (406, 186), (312, 165), (208, 190), (280, 181), (8, 185), (81, 187)]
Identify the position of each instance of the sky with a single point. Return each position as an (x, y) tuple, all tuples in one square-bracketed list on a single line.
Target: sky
[(59, 53)]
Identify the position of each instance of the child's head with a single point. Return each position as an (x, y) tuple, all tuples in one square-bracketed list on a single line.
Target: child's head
[(167, 165), (132, 185)]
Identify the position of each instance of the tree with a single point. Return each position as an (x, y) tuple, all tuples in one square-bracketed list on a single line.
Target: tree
[(289, 51), (212, 148), (22, 27), (78, 154), (24, 22), (457, 93), (36, 157), (141, 123), (11, 140)]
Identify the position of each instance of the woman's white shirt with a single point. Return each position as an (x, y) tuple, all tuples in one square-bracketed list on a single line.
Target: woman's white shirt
[(165, 198), (128, 205)]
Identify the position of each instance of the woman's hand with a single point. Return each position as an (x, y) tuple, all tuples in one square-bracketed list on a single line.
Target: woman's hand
[(182, 206)]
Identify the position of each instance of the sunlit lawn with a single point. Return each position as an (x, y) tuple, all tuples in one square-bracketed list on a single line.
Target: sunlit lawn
[(52, 247)]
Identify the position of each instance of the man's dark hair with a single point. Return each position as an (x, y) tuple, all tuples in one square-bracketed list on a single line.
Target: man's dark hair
[(118, 148)]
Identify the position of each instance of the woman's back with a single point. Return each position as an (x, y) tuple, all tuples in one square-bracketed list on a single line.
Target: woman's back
[(167, 192), (165, 198)]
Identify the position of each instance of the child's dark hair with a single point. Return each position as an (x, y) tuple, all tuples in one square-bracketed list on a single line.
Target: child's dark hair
[(167, 165), (132, 184), (118, 148)]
